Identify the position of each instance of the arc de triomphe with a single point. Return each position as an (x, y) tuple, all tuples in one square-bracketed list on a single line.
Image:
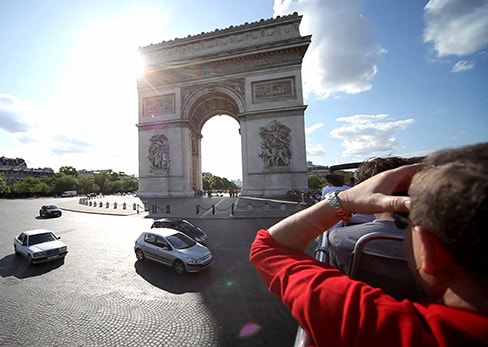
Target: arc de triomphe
[(251, 72)]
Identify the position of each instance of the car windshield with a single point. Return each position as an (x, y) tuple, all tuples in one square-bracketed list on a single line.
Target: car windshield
[(180, 241), (40, 238), (51, 207)]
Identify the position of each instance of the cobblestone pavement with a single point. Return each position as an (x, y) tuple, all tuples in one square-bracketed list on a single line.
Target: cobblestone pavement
[(101, 296)]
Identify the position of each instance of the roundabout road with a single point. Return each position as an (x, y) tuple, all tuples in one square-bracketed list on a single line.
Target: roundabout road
[(101, 296)]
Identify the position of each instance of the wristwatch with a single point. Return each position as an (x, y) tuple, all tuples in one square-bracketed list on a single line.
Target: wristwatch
[(334, 202)]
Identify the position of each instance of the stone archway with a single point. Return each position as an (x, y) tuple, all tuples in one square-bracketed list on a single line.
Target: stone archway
[(202, 104), (250, 72)]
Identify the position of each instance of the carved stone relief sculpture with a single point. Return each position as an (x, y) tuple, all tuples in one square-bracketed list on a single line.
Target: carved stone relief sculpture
[(273, 90), (164, 104), (275, 144), (158, 154)]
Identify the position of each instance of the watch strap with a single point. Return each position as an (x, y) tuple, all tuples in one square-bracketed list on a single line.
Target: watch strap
[(335, 203)]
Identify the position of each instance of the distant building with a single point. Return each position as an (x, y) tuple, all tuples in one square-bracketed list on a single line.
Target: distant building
[(16, 169), (7, 163), (92, 173), (318, 170), (237, 182), (88, 173)]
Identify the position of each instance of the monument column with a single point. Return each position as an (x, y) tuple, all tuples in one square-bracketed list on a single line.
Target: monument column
[(274, 158)]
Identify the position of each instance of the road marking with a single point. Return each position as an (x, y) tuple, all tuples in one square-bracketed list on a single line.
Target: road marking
[(210, 210)]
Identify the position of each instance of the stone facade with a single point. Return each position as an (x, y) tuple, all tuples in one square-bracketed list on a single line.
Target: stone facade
[(252, 73), (15, 170)]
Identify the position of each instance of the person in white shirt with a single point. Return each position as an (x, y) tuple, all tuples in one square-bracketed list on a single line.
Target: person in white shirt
[(335, 182)]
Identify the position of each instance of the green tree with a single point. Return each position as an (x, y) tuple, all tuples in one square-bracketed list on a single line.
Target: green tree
[(4, 188), (68, 170), (217, 183), (316, 182), (50, 182), (65, 182), (102, 179), (211, 182), (114, 176), (30, 186), (114, 186), (206, 182), (129, 184), (87, 184)]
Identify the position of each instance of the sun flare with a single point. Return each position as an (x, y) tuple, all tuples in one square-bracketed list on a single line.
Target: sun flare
[(108, 53)]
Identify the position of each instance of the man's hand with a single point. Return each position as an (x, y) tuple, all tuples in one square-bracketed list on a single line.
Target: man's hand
[(374, 194)]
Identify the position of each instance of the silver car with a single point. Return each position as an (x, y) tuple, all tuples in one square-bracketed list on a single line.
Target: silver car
[(39, 246), (172, 248)]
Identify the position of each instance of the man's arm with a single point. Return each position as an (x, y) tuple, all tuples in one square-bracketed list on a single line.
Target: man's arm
[(371, 196)]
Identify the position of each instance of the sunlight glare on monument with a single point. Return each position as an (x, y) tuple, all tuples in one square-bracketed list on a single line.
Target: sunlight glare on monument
[(251, 72)]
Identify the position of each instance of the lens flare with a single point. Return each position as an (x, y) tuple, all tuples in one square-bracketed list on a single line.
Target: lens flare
[(249, 329)]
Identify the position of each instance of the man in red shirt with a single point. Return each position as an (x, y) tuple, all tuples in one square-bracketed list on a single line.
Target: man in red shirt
[(446, 245)]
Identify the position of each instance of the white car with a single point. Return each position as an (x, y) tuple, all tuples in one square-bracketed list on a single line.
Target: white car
[(39, 246), (172, 248)]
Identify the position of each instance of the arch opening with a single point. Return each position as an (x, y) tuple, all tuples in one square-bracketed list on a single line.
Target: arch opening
[(210, 105), (221, 147), (215, 113)]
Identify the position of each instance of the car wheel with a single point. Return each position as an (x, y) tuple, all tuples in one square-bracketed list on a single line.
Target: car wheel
[(40, 213), (16, 251), (139, 254), (179, 266), (29, 259)]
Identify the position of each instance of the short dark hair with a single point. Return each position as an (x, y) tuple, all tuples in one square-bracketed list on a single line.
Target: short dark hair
[(374, 166), (449, 199), (335, 179)]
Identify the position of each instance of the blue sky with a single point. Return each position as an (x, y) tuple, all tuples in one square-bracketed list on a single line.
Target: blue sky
[(380, 77)]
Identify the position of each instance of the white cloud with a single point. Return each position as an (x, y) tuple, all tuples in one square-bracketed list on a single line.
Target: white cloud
[(314, 127), (456, 27), (66, 136), (69, 145), (369, 135), (462, 65), (314, 150), (340, 58), (16, 116)]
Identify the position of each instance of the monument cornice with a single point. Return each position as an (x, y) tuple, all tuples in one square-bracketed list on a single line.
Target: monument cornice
[(238, 64), (244, 37), (158, 125), (272, 112)]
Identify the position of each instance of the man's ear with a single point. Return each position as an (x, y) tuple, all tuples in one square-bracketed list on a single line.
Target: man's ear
[(436, 259)]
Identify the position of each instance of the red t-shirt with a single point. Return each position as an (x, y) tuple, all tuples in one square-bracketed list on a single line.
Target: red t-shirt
[(337, 311)]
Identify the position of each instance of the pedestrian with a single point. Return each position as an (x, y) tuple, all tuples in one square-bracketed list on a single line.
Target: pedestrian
[(335, 183)]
